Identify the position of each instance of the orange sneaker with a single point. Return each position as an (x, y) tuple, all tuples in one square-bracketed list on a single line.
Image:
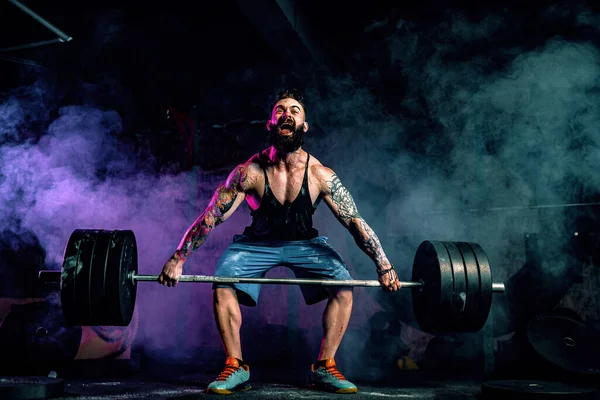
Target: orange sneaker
[(329, 379), (233, 378)]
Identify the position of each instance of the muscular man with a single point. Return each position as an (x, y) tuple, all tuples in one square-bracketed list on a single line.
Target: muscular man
[(282, 185)]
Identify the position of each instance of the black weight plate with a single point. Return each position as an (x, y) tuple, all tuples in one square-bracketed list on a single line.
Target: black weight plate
[(98, 279), (432, 303), (24, 387), (459, 292), (485, 286), (67, 277), (566, 343), (565, 312), (474, 320), (83, 277), (120, 294), (75, 277), (516, 389)]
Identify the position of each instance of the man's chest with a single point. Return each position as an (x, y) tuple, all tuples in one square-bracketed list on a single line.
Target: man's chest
[(288, 186)]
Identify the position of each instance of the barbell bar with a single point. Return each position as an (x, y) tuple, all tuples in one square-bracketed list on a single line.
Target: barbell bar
[(451, 281), (50, 276)]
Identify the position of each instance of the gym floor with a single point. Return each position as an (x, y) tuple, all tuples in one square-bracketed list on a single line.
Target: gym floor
[(409, 385), (141, 389), (194, 388)]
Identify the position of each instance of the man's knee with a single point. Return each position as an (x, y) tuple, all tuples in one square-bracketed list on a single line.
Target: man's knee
[(224, 296), (342, 294)]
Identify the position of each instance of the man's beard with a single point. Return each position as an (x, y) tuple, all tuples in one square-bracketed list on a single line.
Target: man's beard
[(283, 143)]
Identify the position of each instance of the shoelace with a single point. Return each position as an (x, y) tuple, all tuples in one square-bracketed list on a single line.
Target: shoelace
[(227, 372), (334, 371)]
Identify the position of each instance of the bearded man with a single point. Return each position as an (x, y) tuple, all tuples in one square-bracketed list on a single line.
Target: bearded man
[(283, 186)]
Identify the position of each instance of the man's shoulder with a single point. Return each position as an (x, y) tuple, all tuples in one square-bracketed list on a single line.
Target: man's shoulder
[(250, 171), (320, 171), (257, 162)]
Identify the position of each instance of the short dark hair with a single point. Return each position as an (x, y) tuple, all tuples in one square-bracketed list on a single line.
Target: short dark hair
[(295, 94)]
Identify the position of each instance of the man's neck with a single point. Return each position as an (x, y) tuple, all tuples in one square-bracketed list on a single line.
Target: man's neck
[(283, 160)]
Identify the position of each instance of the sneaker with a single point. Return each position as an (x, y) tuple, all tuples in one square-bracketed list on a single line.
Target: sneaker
[(328, 378), (234, 378)]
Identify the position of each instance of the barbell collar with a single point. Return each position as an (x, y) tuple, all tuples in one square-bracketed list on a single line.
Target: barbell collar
[(49, 276)]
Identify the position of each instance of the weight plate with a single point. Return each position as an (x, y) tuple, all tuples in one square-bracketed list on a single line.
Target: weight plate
[(565, 342), (67, 277), (83, 277), (485, 286), (474, 319), (30, 388), (432, 303), (99, 264), (516, 389), (565, 312), (459, 292), (96, 288), (120, 289), (75, 278)]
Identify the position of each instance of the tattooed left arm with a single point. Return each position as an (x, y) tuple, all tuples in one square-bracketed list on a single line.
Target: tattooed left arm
[(341, 203)]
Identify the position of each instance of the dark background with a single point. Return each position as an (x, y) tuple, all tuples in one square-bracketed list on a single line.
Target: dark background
[(447, 120)]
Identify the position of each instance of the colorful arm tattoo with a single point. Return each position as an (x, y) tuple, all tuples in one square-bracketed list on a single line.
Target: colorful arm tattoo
[(348, 214), (222, 201)]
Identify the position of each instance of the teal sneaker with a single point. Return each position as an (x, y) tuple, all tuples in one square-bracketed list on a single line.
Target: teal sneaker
[(233, 378), (328, 378)]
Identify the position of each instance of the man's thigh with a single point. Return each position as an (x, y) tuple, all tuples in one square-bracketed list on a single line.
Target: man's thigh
[(246, 260), (315, 259)]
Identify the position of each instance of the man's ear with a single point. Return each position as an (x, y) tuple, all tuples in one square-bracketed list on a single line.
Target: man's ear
[(305, 126), (268, 125)]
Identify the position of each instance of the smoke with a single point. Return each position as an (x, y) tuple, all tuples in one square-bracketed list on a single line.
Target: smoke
[(482, 119), (486, 120), (80, 172)]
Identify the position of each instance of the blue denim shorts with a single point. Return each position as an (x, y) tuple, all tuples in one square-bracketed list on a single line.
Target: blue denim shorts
[(308, 259)]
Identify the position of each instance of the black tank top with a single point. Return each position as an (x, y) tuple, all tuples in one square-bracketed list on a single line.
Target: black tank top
[(290, 221)]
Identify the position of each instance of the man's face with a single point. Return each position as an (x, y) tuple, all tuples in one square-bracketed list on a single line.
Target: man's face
[(287, 125)]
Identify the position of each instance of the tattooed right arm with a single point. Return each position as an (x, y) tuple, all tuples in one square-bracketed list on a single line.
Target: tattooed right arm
[(226, 199)]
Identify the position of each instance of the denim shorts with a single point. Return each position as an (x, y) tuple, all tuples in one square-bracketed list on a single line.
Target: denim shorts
[(308, 259)]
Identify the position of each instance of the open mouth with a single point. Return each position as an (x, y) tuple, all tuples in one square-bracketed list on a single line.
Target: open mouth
[(286, 127)]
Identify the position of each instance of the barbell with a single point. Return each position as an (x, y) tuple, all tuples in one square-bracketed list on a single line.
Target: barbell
[(451, 281)]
